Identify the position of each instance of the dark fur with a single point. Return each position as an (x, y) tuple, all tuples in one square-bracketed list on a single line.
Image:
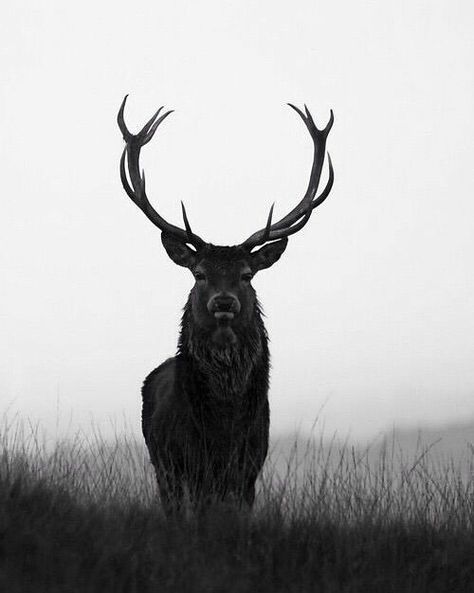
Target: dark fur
[(205, 412)]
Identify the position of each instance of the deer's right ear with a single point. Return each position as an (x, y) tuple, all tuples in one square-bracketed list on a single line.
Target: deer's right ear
[(178, 251), (267, 255)]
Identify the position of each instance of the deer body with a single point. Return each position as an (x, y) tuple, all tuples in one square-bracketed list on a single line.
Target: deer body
[(206, 423), (205, 415)]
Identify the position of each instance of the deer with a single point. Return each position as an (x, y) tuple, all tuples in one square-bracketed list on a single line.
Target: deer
[(205, 411)]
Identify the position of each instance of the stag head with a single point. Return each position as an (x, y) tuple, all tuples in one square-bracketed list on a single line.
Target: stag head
[(223, 300)]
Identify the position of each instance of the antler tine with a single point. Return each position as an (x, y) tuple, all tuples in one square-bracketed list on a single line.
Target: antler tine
[(121, 121), (151, 127), (300, 214), (186, 221), (268, 226), (319, 141), (134, 184), (277, 233)]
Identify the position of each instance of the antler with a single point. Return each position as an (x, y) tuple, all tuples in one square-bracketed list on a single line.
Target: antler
[(136, 187), (299, 216)]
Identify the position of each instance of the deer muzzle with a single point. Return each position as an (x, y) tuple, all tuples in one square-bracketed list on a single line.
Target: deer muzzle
[(223, 307)]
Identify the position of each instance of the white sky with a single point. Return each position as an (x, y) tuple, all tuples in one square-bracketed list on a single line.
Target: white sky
[(371, 307)]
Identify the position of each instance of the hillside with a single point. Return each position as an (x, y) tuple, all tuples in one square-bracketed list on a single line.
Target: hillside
[(83, 516)]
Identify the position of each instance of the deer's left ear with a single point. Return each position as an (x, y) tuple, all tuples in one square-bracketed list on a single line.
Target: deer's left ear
[(178, 251), (267, 255)]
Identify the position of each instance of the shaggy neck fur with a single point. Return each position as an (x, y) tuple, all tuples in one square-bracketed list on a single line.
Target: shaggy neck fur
[(226, 370)]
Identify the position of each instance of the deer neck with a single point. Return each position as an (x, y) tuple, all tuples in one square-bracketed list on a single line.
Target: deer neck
[(225, 372)]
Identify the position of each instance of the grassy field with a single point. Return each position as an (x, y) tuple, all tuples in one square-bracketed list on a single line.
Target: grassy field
[(82, 515)]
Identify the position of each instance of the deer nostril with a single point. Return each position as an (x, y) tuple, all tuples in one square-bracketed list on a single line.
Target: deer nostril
[(224, 305)]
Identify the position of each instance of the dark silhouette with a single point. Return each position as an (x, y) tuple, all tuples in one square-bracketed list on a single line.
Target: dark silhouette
[(205, 414)]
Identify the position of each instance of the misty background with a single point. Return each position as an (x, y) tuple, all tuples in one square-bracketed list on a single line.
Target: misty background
[(369, 311)]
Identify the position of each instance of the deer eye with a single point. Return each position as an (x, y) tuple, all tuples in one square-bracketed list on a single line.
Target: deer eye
[(247, 277), (199, 276)]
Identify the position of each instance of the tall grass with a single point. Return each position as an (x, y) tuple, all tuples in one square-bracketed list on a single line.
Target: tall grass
[(82, 514)]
